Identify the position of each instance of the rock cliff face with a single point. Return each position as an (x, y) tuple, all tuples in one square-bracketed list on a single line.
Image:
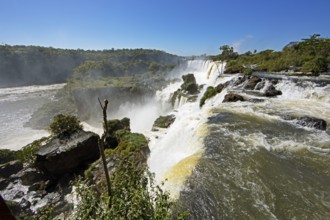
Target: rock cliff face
[(59, 157)]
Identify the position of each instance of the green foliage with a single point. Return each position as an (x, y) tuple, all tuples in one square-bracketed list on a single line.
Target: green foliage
[(312, 53), (130, 142), (248, 71), (317, 65), (234, 66), (26, 65), (27, 153), (64, 126), (135, 196), (114, 126), (189, 83), (209, 93), (44, 213)]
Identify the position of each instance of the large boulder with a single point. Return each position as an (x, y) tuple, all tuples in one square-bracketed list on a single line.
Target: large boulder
[(10, 168), (189, 84), (232, 97), (59, 156)]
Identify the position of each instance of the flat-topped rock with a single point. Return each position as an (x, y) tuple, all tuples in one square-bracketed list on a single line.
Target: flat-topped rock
[(65, 156)]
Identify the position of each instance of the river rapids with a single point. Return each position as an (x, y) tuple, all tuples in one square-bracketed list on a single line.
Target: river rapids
[(245, 160)]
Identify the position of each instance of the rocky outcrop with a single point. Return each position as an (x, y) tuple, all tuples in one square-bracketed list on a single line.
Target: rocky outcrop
[(59, 157), (188, 91), (239, 80), (10, 168), (252, 82), (271, 91), (307, 121), (189, 84), (232, 97), (164, 121), (220, 87)]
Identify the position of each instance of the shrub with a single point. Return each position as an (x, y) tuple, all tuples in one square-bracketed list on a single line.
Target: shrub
[(63, 126), (134, 196)]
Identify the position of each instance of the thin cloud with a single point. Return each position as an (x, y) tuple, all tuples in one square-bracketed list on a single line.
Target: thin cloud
[(237, 45)]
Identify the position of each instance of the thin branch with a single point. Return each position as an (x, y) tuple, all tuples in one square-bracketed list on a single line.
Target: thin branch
[(101, 147)]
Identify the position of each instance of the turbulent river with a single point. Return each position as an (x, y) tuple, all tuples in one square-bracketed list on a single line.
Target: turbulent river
[(16, 107), (243, 160)]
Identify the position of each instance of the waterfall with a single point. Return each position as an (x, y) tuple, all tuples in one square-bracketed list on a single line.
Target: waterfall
[(176, 150)]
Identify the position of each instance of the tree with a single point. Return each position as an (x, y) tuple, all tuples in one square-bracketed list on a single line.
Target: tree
[(228, 52)]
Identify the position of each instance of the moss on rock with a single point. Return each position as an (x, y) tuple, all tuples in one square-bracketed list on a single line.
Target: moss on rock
[(189, 84), (164, 121), (209, 93)]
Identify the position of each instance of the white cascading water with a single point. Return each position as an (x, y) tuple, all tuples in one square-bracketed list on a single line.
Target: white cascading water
[(175, 151)]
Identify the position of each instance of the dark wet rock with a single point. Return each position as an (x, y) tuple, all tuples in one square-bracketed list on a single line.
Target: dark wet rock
[(271, 91), (256, 100), (307, 121), (3, 183), (220, 87), (252, 82), (274, 81), (189, 84), (260, 85), (14, 207), (164, 121), (232, 97), (19, 195), (239, 80), (35, 186), (30, 176), (59, 157), (10, 168)]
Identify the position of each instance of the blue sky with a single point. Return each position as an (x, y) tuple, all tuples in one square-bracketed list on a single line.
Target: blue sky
[(183, 27)]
